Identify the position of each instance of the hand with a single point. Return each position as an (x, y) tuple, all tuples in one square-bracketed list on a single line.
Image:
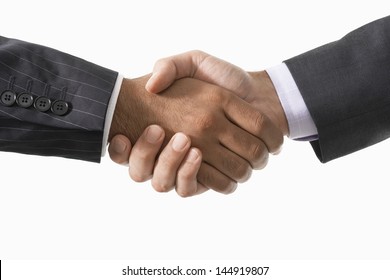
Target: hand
[(254, 87), (209, 115), (185, 163)]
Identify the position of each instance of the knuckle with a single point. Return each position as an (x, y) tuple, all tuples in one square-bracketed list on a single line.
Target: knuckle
[(161, 186), (242, 172), (258, 152), (263, 163), (259, 121), (164, 159), (184, 192), (279, 142), (205, 178), (142, 157), (158, 61), (197, 52), (166, 64), (216, 95), (117, 158), (161, 61), (245, 175), (238, 169), (186, 179), (136, 178), (186, 175), (211, 178), (205, 122), (217, 183), (168, 161), (275, 143), (230, 188)]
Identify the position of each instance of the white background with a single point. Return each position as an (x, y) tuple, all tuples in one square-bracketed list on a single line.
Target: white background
[(296, 208)]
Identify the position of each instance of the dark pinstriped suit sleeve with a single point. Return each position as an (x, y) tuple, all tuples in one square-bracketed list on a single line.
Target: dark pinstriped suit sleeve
[(346, 87), (87, 87)]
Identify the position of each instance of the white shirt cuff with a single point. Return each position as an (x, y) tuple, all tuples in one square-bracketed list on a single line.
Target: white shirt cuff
[(110, 112), (300, 122)]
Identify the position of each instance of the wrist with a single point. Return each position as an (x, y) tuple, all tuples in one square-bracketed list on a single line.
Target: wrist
[(265, 99), (115, 127), (135, 109), (126, 111)]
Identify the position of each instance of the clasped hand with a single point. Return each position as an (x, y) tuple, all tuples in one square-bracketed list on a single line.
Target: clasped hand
[(197, 123)]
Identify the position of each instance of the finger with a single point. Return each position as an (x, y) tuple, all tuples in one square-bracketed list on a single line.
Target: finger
[(246, 146), (119, 149), (278, 151), (143, 155), (186, 181), (229, 163), (168, 163), (169, 69), (201, 189), (256, 123), (202, 66), (213, 179), (164, 74)]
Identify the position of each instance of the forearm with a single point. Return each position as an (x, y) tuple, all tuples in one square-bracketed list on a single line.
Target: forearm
[(120, 120), (134, 110), (43, 72), (345, 86)]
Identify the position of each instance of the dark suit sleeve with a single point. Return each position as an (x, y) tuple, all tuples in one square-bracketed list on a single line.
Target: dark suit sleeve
[(33, 72), (346, 87)]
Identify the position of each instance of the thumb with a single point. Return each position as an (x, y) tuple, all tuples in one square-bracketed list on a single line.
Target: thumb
[(169, 69), (119, 149), (164, 74)]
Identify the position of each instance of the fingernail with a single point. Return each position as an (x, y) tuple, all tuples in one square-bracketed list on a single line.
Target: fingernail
[(192, 156), (119, 146), (180, 142), (153, 134)]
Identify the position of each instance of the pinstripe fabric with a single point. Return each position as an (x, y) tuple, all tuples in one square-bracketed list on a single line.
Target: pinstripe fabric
[(78, 134)]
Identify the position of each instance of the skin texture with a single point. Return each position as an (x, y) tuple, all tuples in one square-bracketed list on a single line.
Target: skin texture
[(255, 88), (143, 156), (229, 137)]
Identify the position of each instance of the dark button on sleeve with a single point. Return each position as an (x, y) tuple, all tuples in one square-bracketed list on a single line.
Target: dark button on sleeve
[(25, 100), (8, 98), (60, 107), (42, 104)]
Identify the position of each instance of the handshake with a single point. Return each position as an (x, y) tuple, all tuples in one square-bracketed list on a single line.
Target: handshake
[(197, 123)]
